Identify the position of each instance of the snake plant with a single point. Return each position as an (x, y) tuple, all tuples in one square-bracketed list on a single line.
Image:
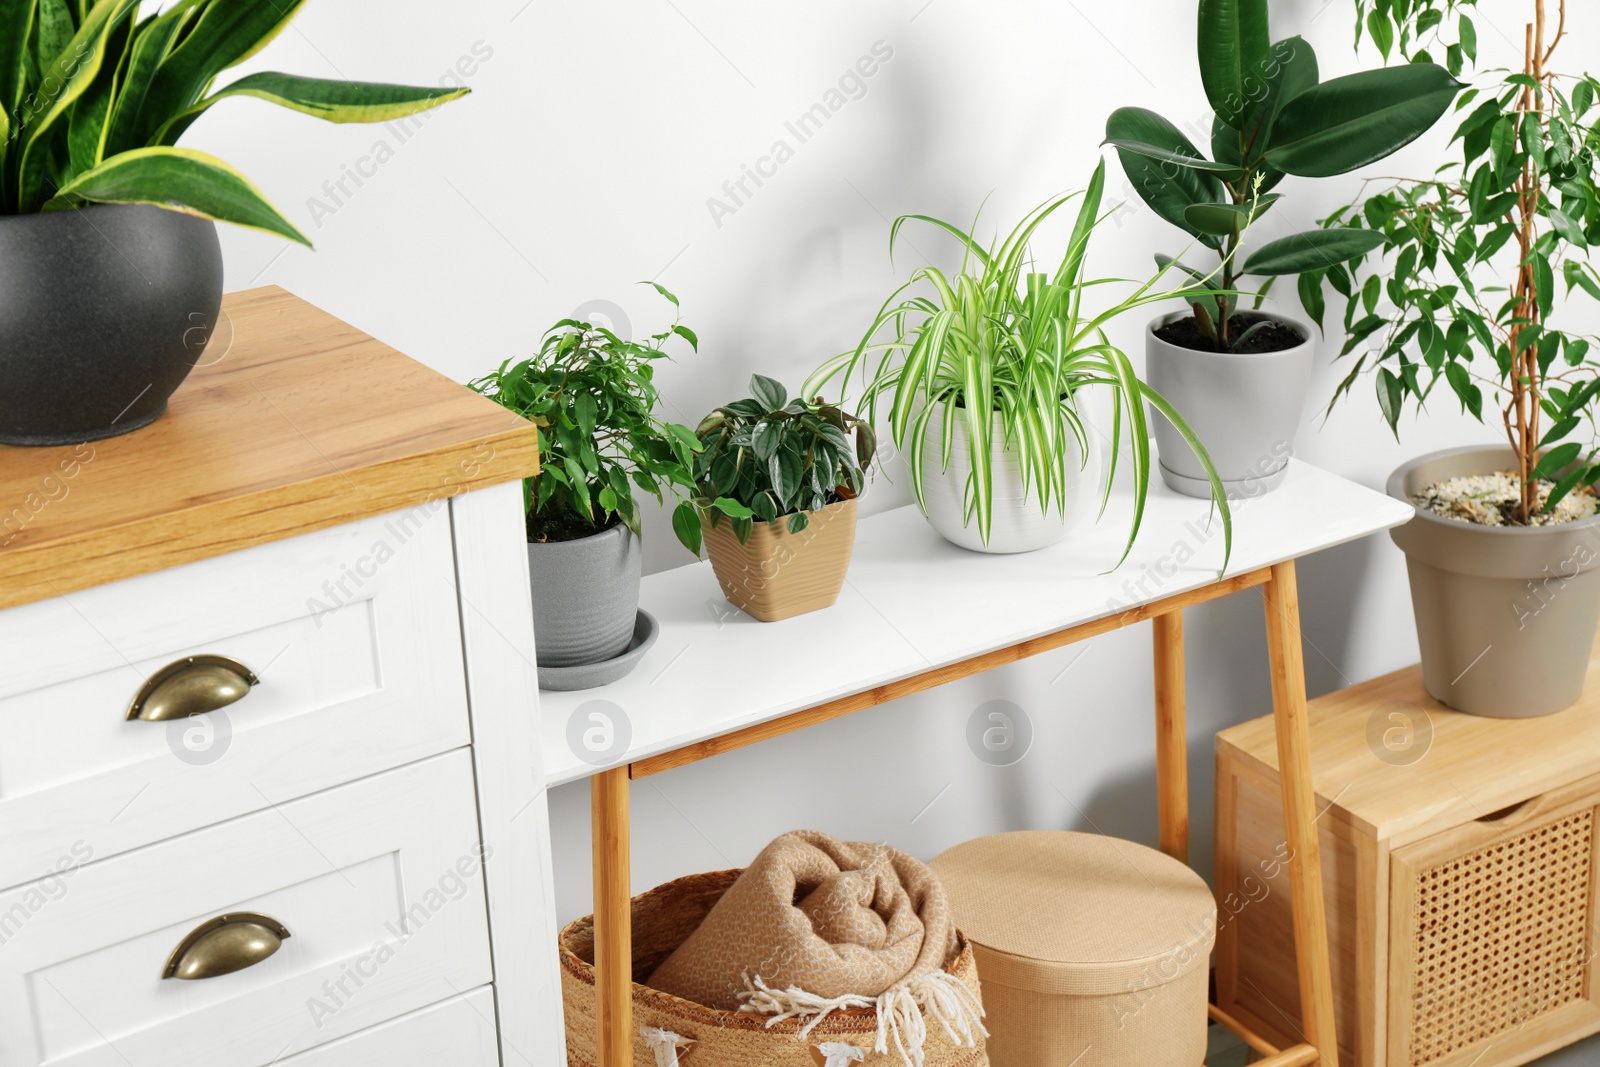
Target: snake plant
[(999, 337), (94, 96)]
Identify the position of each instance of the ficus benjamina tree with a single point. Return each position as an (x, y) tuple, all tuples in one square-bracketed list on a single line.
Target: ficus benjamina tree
[(1272, 117), (1475, 257), (95, 94)]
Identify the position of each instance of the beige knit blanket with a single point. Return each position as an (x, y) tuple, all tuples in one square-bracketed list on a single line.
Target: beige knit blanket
[(816, 925)]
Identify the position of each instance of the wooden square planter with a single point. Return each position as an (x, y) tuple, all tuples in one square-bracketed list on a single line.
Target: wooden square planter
[(776, 574)]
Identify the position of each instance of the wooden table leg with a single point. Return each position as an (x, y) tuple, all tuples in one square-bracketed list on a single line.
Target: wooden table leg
[(613, 919), (1172, 742), (1299, 810)]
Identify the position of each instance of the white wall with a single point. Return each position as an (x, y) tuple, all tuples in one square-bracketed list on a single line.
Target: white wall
[(584, 162)]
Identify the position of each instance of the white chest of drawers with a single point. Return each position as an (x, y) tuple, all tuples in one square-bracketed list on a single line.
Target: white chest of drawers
[(351, 854)]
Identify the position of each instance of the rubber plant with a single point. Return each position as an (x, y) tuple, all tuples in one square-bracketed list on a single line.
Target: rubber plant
[(592, 393), (1474, 257), (1001, 337), (95, 95), (769, 457), (1272, 116)]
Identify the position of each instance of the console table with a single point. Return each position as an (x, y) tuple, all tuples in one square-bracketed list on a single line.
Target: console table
[(891, 635)]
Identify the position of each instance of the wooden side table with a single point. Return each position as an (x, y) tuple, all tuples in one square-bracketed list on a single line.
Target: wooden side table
[(890, 636), (1459, 861)]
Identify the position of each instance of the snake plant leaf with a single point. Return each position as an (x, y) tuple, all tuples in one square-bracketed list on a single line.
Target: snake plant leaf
[(330, 99), (86, 128), (150, 48), (227, 33), (54, 32), (181, 179), (1234, 47), (1167, 189), (1312, 250), (1354, 120), (72, 72), (16, 27)]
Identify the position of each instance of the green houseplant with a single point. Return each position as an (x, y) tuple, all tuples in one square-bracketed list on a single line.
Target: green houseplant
[(778, 481), (1478, 262), (980, 372), (592, 394), (114, 273), (1241, 375)]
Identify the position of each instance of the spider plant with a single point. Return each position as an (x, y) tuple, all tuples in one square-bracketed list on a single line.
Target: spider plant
[(999, 337)]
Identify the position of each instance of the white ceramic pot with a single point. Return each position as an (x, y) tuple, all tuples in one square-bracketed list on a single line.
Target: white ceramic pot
[(1244, 407), (1020, 524)]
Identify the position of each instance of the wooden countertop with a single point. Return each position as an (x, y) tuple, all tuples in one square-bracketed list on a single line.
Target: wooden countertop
[(296, 422), (1375, 763)]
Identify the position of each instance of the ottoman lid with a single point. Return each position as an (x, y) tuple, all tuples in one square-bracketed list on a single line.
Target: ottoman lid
[(1078, 914)]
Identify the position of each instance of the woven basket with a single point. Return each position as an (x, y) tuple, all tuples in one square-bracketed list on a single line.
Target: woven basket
[(662, 920)]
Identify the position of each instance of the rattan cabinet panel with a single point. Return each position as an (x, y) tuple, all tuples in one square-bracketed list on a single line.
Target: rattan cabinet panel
[(1459, 858)]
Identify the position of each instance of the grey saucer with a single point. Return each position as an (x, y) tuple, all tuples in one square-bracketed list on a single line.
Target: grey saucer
[(594, 675)]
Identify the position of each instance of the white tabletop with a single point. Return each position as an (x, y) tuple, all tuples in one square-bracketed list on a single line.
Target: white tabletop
[(913, 602)]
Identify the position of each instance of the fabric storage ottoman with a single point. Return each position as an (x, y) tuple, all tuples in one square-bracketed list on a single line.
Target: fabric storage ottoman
[(1093, 951)]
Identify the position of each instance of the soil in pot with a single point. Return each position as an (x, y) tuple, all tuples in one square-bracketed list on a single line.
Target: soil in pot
[(1273, 337), (1491, 500), (563, 528)]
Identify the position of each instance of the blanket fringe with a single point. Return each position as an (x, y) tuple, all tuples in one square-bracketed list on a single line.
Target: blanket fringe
[(840, 1054), (903, 1011), (664, 1043)]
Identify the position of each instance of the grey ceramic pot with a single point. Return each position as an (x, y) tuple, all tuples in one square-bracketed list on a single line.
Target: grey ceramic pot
[(103, 313), (1244, 407), (585, 597), (1506, 615)]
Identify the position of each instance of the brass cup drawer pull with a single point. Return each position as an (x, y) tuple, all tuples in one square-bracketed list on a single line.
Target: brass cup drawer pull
[(193, 685), (225, 944)]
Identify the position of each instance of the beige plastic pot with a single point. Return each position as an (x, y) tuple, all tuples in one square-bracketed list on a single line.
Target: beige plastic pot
[(1506, 615), (777, 574)]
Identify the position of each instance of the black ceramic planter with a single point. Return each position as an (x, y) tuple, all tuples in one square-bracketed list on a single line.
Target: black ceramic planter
[(103, 313)]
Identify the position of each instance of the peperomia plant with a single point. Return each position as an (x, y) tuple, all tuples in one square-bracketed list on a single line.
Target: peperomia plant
[(593, 396), (768, 458), (1474, 256), (1003, 348), (1271, 117), (94, 98)]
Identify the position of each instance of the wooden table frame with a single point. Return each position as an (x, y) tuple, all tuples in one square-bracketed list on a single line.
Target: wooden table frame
[(609, 795)]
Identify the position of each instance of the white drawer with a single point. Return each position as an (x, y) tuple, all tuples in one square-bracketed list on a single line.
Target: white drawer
[(460, 1032), (354, 633), (378, 883)]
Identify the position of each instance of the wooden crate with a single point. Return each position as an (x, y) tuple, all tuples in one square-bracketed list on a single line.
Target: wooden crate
[(1459, 859)]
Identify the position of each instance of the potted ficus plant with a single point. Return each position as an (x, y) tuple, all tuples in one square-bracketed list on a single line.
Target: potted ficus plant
[(592, 394), (779, 480), (1241, 374), (113, 271), (1478, 262), (980, 372)]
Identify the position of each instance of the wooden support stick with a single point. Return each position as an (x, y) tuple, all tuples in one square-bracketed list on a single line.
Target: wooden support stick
[(1298, 1056), (1282, 599), (1172, 742), (613, 919)]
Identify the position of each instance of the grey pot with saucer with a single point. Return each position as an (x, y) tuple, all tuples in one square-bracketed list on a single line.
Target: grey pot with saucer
[(1244, 406)]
